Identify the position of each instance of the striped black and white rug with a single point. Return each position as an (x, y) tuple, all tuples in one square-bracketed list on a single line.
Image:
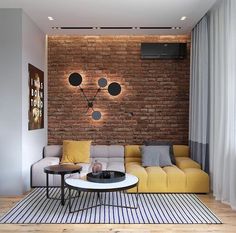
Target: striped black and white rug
[(153, 208)]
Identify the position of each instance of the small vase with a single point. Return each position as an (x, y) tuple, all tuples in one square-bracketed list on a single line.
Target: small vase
[(97, 167)]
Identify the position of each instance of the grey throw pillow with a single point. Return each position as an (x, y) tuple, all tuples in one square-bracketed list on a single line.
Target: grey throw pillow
[(155, 156), (164, 159), (163, 143), (150, 156)]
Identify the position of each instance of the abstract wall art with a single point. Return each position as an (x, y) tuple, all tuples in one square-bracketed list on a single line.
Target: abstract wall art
[(36, 98)]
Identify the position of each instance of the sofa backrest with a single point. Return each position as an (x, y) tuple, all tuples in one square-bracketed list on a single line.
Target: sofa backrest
[(181, 150), (104, 151), (133, 153), (96, 151), (52, 151)]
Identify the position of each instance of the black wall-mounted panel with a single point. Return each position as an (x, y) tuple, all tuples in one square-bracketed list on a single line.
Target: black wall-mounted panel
[(163, 50)]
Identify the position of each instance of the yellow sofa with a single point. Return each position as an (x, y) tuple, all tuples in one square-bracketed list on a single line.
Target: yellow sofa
[(184, 177)]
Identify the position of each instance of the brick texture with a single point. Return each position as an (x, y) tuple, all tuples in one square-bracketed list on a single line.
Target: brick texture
[(153, 104)]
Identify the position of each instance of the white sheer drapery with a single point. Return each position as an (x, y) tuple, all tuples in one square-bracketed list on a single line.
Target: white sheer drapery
[(222, 68)]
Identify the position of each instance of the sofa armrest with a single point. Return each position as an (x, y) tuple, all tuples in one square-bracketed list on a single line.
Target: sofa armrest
[(185, 162), (38, 177)]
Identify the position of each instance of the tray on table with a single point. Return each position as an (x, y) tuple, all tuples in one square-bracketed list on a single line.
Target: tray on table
[(106, 176)]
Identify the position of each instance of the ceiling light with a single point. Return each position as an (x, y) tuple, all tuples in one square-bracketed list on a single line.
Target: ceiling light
[(183, 18), (50, 18), (176, 28)]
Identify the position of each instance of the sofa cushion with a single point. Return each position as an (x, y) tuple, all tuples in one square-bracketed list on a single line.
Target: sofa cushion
[(185, 162), (197, 181), (176, 179), (76, 151), (136, 169), (157, 179)]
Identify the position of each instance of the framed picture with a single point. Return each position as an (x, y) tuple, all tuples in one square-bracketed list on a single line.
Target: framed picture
[(36, 98)]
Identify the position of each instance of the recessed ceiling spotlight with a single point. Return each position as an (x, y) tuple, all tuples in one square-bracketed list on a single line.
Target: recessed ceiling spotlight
[(50, 18), (183, 18), (176, 28)]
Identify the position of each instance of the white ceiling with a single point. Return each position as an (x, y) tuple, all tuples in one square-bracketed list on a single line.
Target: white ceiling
[(115, 13)]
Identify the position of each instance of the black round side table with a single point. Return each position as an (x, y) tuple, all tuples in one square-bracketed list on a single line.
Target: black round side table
[(61, 170)]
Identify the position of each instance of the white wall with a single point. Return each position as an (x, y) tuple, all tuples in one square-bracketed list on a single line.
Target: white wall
[(33, 52), (21, 42), (10, 102)]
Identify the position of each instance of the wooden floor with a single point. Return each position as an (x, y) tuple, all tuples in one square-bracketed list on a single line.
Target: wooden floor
[(224, 212)]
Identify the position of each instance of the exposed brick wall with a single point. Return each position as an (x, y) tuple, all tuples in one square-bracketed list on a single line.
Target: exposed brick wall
[(155, 91)]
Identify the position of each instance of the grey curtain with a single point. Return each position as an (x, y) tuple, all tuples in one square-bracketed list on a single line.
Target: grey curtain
[(199, 95)]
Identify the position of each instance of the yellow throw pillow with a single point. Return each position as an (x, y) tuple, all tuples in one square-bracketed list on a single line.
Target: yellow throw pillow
[(76, 151)]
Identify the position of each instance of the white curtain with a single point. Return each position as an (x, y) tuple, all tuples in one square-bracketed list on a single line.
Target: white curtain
[(222, 68)]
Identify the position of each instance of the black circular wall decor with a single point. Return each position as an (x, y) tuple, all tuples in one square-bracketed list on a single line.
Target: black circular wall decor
[(96, 115), (114, 89), (75, 79), (102, 82)]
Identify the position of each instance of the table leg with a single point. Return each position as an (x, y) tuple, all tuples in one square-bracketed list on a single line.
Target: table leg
[(70, 200), (62, 190), (99, 198), (137, 197), (47, 192)]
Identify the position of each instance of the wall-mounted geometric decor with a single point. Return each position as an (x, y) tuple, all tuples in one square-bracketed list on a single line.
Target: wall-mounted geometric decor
[(36, 98), (114, 89)]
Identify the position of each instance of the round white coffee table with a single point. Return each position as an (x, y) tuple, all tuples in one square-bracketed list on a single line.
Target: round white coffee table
[(84, 185)]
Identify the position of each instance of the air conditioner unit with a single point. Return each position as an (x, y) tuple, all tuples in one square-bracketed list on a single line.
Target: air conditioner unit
[(163, 50)]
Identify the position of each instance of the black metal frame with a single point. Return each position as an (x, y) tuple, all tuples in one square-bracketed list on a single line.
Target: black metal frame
[(101, 202), (62, 174), (90, 101), (62, 188), (75, 79), (62, 197)]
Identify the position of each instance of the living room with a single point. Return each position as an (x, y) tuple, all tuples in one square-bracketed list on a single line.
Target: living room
[(123, 78)]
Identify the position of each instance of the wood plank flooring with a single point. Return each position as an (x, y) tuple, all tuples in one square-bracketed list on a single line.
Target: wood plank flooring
[(224, 212)]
